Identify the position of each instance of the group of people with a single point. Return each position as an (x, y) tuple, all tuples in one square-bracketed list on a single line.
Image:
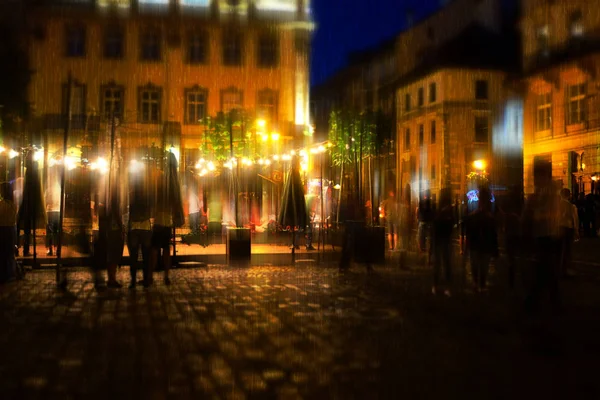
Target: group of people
[(542, 227), (141, 211)]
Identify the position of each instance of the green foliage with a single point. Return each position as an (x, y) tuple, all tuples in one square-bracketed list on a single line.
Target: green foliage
[(219, 130), (352, 135)]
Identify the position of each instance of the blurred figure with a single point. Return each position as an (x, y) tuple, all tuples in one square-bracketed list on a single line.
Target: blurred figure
[(425, 217), (53, 215), (168, 215), (511, 214), (32, 212), (8, 220), (405, 222), (194, 210), (442, 245), (108, 248), (569, 223), (462, 211), (139, 232), (390, 211), (540, 226), (482, 239)]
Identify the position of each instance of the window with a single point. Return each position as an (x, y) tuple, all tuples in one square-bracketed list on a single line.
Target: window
[(198, 47), (544, 112), (149, 105), (433, 171), (420, 97), (432, 92), (268, 51), (433, 132), (75, 41), (481, 90), (407, 139), (112, 100), (78, 97), (231, 99), (576, 25), (150, 45), (542, 37), (407, 102), (481, 129), (113, 42), (195, 105), (421, 135), (267, 104), (232, 48), (576, 94)]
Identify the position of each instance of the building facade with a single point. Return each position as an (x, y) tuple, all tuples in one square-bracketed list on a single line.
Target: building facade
[(561, 65), (166, 65)]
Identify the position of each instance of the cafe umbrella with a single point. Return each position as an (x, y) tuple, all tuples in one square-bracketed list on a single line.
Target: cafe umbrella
[(293, 207)]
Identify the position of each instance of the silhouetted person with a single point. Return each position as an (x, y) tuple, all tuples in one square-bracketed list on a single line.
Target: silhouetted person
[(8, 220), (390, 209), (569, 224), (482, 239), (443, 224), (53, 216), (425, 217), (32, 211), (540, 225), (139, 235)]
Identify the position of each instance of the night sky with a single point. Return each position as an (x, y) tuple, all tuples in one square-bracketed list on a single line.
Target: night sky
[(347, 25)]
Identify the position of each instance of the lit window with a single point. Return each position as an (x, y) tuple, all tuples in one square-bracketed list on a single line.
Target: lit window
[(576, 25), (112, 100), (577, 94), (544, 112), (232, 48), (267, 104), (195, 3), (268, 50), (150, 45), (75, 41), (481, 129), (149, 105), (231, 99), (542, 36), (113, 42), (195, 107), (198, 45)]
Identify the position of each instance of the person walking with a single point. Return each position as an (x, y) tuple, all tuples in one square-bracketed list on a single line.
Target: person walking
[(8, 220), (482, 239), (425, 217), (390, 211), (443, 224), (569, 230)]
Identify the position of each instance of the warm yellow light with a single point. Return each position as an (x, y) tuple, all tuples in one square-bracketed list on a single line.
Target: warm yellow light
[(479, 164), (321, 149), (337, 187), (2, 149), (136, 166), (267, 162), (304, 167), (582, 165), (286, 157), (276, 157), (293, 152), (275, 136), (314, 151), (211, 166), (38, 155), (302, 152), (261, 123), (594, 178), (264, 137), (12, 154)]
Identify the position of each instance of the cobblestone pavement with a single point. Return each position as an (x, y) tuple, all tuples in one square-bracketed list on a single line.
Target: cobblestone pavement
[(303, 331)]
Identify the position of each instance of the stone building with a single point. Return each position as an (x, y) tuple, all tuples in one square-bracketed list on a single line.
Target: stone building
[(561, 65)]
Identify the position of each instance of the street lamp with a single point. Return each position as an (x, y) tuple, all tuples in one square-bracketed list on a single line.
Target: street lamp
[(479, 165)]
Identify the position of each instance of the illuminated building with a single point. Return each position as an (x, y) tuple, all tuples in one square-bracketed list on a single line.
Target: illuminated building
[(165, 65), (561, 63)]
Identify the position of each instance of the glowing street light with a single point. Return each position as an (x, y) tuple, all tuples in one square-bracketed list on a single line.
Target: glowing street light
[(275, 136), (479, 165), (38, 155), (12, 154), (261, 123), (2, 149)]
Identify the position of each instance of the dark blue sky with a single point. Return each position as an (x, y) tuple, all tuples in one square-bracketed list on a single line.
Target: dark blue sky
[(347, 25)]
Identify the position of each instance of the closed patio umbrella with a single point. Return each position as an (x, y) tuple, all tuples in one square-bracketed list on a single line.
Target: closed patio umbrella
[(293, 207)]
